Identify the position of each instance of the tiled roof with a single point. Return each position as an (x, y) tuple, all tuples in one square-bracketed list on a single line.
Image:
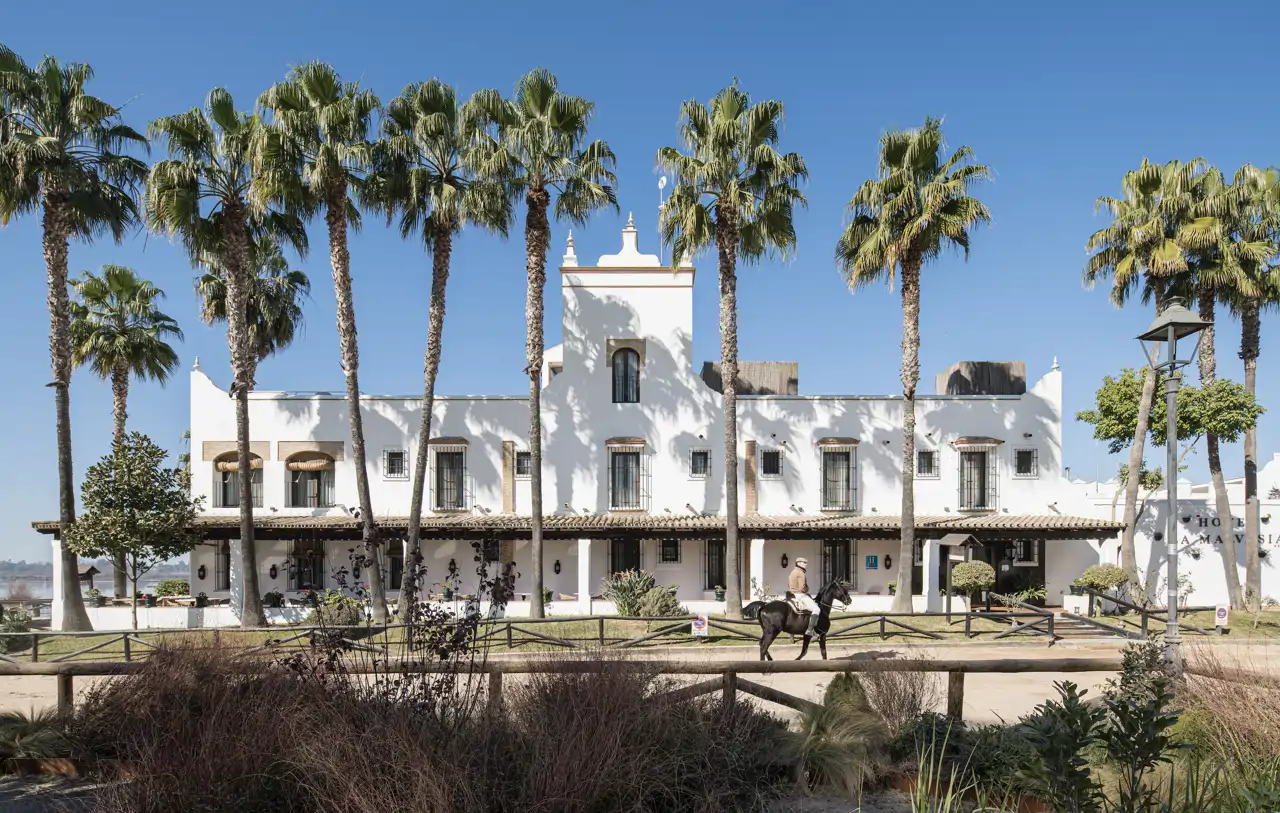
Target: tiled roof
[(434, 525)]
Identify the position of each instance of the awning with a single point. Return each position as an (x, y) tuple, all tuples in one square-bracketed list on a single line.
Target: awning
[(255, 462), (310, 464)]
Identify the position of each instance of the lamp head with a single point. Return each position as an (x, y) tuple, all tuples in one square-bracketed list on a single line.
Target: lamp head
[(1172, 323)]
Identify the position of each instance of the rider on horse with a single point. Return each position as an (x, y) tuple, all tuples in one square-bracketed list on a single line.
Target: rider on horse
[(798, 585)]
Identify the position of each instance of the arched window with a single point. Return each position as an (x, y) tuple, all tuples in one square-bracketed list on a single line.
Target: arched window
[(310, 480), (226, 491), (626, 376)]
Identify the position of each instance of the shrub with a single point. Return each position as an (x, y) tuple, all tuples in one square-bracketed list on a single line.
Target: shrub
[(627, 590), (334, 609), (660, 602), (842, 742), (16, 620), (173, 587), (971, 578), (36, 735), (900, 697), (1103, 577)]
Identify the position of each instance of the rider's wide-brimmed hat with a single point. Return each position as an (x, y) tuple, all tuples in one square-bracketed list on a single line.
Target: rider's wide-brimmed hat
[(802, 562)]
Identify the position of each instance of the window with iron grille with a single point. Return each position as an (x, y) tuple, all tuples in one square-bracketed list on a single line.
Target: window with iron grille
[(624, 480), (490, 550), (1025, 463), (669, 551), (524, 465), (393, 566), (835, 562), (838, 480), (1026, 553), (395, 464), (917, 555), (700, 464), (715, 564), (227, 493), (450, 479), (306, 566), (978, 480), (771, 463), (624, 555), (626, 376), (311, 489), (927, 464), (222, 566)]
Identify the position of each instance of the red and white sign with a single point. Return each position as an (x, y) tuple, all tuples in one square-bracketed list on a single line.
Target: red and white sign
[(1221, 615), (699, 627)]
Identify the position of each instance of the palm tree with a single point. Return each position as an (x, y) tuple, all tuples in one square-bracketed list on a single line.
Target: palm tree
[(62, 153), (119, 332), (422, 176), (1139, 251), (732, 189), (918, 206), (317, 153), (273, 314), (201, 195), (1253, 243), (536, 144)]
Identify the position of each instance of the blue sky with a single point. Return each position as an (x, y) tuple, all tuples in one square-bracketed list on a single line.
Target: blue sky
[(1059, 99)]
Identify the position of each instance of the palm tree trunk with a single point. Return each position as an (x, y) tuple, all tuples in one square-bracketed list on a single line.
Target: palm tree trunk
[(340, 259), (1226, 524), (1133, 480), (1250, 345), (910, 375), (120, 401), (537, 236), (243, 363), (56, 229), (441, 247), (727, 246)]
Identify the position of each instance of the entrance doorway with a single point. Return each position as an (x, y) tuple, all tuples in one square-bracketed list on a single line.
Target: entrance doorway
[(1019, 565)]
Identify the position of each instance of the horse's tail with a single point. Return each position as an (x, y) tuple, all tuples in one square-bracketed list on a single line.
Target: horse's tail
[(752, 611)]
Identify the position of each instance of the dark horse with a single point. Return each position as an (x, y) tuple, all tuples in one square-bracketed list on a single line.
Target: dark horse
[(778, 616)]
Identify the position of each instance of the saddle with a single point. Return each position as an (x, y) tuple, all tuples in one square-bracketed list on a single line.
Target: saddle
[(795, 605)]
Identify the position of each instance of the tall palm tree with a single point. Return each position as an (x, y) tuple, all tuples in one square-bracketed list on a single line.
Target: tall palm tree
[(423, 177), (273, 314), (1252, 245), (317, 154), (536, 144), (918, 206), (62, 152), (201, 196), (1139, 251), (118, 330), (735, 190)]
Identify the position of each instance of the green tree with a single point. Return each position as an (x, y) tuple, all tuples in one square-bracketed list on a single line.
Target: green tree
[(317, 153), (918, 206), (63, 153), (536, 144), (422, 177), (201, 195), (1139, 251), (734, 190), (118, 330), (273, 313), (136, 509)]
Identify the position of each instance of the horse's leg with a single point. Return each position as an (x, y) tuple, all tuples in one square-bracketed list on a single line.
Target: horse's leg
[(766, 640), (804, 647), (822, 645)]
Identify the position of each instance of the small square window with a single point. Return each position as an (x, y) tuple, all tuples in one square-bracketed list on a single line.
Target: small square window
[(1025, 463), (524, 465), (490, 550), (395, 464), (700, 464), (1026, 553), (669, 551), (771, 463), (927, 464)]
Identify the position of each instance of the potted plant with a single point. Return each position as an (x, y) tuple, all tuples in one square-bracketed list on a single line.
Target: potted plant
[(149, 599), (448, 592), (202, 600), (1077, 587), (1102, 577), (719, 591), (893, 588), (971, 579), (546, 595), (273, 599), (95, 595)]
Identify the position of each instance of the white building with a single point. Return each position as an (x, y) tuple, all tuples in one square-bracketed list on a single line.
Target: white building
[(632, 467)]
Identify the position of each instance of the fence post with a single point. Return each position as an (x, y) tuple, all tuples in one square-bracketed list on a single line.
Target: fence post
[(35, 647), (1144, 623), (509, 645), (495, 688), (882, 635), (730, 691), (601, 619), (66, 694), (1051, 633), (955, 696), (1090, 590), (968, 625), (128, 654)]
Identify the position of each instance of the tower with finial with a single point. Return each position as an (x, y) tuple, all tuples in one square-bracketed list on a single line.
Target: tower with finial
[(570, 258), (1055, 364)]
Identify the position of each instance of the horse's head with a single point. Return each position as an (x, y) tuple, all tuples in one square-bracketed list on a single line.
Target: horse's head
[(835, 591)]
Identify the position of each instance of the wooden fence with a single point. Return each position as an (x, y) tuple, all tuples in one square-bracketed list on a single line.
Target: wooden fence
[(727, 674), (594, 631)]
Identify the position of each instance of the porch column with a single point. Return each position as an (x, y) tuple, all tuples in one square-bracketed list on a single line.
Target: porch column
[(755, 567), (931, 589), (236, 580), (584, 576), (55, 620)]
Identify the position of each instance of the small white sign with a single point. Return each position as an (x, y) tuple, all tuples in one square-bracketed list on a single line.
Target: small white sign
[(699, 627), (1221, 615)]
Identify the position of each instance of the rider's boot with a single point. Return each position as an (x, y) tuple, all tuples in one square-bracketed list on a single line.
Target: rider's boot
[(813, 625)]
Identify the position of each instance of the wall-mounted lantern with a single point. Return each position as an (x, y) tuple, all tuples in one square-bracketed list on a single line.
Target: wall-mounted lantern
[(201, 572), (784, 561), (556, 567), (888, 562), (273, 571)]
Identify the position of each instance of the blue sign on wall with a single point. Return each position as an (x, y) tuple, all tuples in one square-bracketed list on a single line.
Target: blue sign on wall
[(873, 563)]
